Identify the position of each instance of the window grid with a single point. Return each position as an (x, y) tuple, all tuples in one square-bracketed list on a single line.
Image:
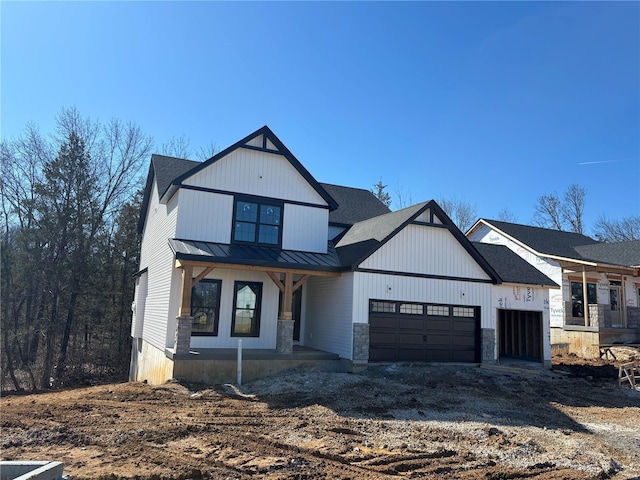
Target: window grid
[(256, 222), (383, 307), (205, 307), (463, 312), (412, 308), (438, 310)]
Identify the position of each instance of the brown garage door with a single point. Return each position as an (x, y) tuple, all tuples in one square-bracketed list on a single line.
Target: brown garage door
[(417, 332)]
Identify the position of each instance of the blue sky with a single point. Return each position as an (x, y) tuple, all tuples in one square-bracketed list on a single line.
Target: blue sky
[(494, 103)]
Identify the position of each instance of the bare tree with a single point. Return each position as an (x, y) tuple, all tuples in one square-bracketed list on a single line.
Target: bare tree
[(178, 147), (564, 215), (403, 198), (623, 230), (463, 213), (548, 212), (572, 209), (205, 153), (507, 215)]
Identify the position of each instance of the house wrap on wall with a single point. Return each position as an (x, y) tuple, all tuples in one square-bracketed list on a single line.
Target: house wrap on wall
[(249, 246), (607, 275)]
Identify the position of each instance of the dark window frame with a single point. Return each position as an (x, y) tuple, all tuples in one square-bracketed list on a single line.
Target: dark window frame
[(260, 202), (577, 302), (255, 327), (194, 308)]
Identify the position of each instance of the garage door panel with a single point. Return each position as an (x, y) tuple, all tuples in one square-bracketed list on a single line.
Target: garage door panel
[(411, 355), (408, 339), (439, 324), (410, 323), (383, 322), (382, 354), (467, 325)]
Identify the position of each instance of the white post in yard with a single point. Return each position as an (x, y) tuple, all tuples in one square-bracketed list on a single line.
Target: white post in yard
[(239, 361)]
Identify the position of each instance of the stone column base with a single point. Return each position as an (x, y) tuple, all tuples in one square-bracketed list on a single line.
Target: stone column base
[(488, 354), (360, 343), (182, 342), (284, 340)]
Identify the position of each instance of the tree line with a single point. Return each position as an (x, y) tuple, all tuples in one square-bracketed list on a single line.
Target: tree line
[(558, 212)]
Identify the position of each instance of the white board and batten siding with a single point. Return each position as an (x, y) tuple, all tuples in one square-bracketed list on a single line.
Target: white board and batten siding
[(524, 298), (553, 270), (328, 314), (205, 216), (425, 250), (305, 228), (268, 311), (157, 257), (428, 251), (258, 173)]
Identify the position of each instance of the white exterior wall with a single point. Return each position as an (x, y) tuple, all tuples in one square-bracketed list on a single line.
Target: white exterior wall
[(425, 250), (138, 307), (377, 286), (550, 268), (205, 216), (420, 249), (528, 298), (328, 314), (305, 228), (268, 312), (157, 257), (257, 173)]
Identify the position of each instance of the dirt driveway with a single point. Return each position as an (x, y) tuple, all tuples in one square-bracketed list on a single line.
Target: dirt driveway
[(404, 421)]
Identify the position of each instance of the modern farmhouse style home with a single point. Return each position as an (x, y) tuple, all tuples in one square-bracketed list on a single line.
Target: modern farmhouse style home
[(247, 246)]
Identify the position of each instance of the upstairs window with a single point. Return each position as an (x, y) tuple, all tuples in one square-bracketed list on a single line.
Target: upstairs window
[(257, 223)]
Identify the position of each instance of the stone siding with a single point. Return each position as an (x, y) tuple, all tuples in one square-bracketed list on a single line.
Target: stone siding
[(284, 341), (360, 343), (488, 345), (183, 335)]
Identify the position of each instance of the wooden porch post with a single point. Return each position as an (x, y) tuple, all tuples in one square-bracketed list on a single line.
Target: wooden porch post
[(585, 299), (185, 296), (287, 297)]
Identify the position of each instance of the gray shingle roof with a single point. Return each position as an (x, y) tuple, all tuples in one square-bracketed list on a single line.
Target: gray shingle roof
[(365, 237), (254, 255), (618, 253), (167, 169), (511, 267), (354, 204), (545, 240)]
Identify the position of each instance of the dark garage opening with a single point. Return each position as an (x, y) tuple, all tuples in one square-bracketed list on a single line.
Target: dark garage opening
[(520, 334)]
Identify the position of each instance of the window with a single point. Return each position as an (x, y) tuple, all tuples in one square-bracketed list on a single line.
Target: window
[(246, 309), (205, 307), (438, 310), (463, 312), (257, 223), (383, 307), (577, 307), (412, 309)]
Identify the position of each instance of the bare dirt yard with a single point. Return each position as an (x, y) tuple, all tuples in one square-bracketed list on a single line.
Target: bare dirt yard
[(391, 421)]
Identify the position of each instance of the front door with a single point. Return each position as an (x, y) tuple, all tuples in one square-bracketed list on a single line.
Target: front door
[(296, 312), (615, 292)]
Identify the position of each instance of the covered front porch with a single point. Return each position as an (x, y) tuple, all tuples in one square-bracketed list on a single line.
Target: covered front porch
[(275, 277), (220, 365)]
